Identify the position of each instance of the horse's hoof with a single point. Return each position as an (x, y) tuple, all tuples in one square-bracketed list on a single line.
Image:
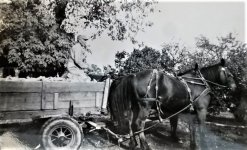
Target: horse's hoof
[(133, 146), (180, 141), (193, 146), (176, 139), (147, 147)]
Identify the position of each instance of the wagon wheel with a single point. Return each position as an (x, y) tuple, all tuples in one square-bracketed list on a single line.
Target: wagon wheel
[(61, 133)]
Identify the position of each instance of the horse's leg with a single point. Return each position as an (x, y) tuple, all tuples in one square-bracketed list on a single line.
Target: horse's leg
[(201, 116), (197, 130), (173, 124), (192, 128), (140, 125), (132, 143)]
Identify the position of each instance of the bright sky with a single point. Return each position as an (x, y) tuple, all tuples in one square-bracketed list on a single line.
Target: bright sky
[(178, 22)]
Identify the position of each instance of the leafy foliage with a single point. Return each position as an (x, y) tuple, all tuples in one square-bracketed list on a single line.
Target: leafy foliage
[(149, 58), (94, 69), (235, 52), (176, 58), (120, 58), (36, 35), (109, 70), (118, 19), (32, 40), (138, 60)]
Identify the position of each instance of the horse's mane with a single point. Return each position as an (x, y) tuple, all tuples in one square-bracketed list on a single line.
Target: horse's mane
[(208, 71), (186, 72), (211, 72)]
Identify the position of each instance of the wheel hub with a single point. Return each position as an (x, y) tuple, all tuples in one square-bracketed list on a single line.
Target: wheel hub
[(61, 137)]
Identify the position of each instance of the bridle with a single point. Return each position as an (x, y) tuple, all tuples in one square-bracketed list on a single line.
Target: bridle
[(205, 81)]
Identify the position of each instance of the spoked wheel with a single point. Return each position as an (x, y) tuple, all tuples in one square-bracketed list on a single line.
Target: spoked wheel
[(61, 133)]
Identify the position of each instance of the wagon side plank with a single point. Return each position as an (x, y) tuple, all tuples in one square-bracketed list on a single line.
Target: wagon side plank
[(20, 101), (60, 87), (18, 86), (78, 99), (13, 115)]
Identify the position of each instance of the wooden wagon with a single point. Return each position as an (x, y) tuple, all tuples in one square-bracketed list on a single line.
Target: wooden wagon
[(61, 103)]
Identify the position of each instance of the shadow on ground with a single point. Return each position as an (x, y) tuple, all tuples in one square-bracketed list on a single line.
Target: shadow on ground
[(27, 136)]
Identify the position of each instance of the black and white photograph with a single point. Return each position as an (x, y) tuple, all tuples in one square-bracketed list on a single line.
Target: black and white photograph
[(123, 75)]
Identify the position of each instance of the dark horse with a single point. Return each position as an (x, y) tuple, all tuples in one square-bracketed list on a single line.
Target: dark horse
[(132, 97)]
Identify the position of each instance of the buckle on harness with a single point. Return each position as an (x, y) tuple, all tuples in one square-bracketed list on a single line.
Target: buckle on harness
[(192, 108)]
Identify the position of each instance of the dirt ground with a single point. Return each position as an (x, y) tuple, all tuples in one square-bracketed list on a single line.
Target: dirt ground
[(25, 136)]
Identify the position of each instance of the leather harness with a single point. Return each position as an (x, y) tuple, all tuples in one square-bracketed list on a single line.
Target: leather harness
[(155, 73)]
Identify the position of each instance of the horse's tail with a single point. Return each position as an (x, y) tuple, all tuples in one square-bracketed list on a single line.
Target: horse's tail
[(120, 100)]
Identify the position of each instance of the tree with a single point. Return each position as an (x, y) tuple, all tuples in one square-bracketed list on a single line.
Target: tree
[(235, 52), (118, 19), (37, 40), (227, 47), (147, 58), (208, 53), (174, 57), (32, 40), (171, 56), (109, 70), (120, 58)]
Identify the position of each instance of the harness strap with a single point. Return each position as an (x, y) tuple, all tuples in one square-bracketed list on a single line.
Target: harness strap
[(204, 93), (203, 79), (159, 110), (188, 88), (223, 86), (190, 95), (158, 104), (156, 83), (191, 78), (155, 71), (158, 107), (197, 83), (216, 84)]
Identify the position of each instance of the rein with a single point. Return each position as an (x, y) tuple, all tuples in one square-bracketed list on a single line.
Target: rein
[(192, 82)]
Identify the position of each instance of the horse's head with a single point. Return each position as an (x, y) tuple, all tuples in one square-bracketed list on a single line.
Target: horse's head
[(226, 77)]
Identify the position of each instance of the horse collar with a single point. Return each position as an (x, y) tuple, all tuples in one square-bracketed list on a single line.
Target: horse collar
[(156, 73)]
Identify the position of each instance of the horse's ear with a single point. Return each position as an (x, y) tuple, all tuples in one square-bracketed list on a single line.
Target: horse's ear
[(196, 67), (222, 62)]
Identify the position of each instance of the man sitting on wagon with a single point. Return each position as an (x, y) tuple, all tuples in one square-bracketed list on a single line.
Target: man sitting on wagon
[(77, 61)]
